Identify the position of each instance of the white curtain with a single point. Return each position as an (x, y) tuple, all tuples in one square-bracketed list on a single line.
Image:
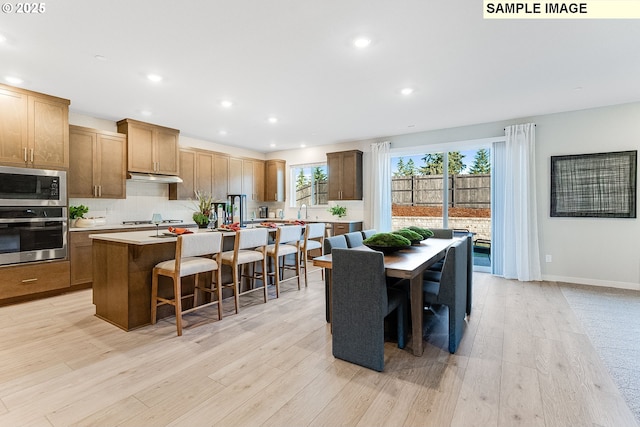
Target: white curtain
[(380, 179), (515, 249)]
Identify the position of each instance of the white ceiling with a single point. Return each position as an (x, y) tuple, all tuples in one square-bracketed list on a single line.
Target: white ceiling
[(295, 60)]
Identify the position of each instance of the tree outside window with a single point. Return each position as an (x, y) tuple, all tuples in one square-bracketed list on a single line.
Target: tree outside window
[(310, 185)]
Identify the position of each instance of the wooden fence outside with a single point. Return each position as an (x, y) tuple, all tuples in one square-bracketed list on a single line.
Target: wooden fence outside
[(465, 191)]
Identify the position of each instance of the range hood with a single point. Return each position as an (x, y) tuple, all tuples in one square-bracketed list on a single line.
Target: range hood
[(149, 177)]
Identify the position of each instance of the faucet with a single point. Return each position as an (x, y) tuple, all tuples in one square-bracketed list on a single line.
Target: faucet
[(306, 213)]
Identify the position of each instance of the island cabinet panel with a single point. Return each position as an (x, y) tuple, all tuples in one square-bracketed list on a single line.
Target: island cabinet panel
[(98, 166), (344, 175), (122, 282), (151, 148), (29, 279), (34, 129)]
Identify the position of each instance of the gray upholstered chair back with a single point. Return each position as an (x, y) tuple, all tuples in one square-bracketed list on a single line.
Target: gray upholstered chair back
[(354, 239), (442, 233), (368, 233), (451, 290), (334, 242), (359, 301)]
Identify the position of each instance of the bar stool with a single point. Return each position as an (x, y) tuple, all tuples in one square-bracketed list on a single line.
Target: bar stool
[(287, 242), (313, 239), (189, 260), (248, 248)]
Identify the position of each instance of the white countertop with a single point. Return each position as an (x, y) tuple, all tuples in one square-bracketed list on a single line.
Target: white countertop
[(131, 226), (145, 237)]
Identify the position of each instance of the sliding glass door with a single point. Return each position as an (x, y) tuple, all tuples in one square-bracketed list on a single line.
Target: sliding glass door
[(446, 190)]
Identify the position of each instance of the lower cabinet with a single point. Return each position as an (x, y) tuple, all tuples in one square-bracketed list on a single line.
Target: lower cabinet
[(345, 227), (28, 279)]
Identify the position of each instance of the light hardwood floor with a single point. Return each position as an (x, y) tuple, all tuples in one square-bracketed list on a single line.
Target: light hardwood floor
[(524, 361)]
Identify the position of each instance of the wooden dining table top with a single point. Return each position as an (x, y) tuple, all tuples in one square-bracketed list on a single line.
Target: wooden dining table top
[(405, 263)]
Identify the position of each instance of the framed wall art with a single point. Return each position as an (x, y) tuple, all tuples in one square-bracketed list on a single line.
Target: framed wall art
[(594, 185)]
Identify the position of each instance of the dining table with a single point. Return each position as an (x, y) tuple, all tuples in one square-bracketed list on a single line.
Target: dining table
[(407, 263)]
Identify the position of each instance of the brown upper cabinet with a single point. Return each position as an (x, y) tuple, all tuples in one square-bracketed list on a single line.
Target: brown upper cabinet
[(34, 129), (98, 163), (217, 174), (275, 185), (253, 179), (344, 170), (151, 148)]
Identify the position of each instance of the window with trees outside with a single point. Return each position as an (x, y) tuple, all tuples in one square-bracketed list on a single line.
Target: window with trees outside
[(422, 196), (309, 184)]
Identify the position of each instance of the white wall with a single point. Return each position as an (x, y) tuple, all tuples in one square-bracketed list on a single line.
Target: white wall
[(594, 251)]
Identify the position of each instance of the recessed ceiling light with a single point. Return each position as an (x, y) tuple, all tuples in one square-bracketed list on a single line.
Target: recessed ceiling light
[(226, 103), (223, 132), (154, 78), (303, 145), (362, 42), (407, 91), (2, 38), (273, 119), (13, 80), (272, 145), (146, 112)]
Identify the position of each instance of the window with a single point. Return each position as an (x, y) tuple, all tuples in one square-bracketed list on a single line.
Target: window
[(308, 184)]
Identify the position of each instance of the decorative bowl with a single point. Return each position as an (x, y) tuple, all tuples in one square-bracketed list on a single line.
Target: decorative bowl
[(387, 249)]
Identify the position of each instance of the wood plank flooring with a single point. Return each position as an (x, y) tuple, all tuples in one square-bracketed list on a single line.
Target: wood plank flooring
[(524, 361)]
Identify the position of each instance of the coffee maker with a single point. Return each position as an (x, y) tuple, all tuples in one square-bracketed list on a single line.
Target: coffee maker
[(263, 211)]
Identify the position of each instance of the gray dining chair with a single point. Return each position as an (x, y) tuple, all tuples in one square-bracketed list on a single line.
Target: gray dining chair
[(442, 233), (451, 290), (361, 301), (368, 233), (338, 241), (434, 274), (354, 239)]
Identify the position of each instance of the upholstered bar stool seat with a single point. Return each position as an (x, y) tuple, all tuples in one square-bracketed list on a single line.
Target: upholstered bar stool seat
[(313, 240), (248, 248), (190, 260), (287, 242)]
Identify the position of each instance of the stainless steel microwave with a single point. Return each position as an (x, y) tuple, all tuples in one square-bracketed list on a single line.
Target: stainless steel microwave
[(32, 187)]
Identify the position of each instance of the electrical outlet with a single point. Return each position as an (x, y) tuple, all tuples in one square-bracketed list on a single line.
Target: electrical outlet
[(548, 258)]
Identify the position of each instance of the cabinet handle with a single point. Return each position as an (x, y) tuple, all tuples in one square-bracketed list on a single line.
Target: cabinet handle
[(30, 280), (99, 190), (32, 155), (25, 154)]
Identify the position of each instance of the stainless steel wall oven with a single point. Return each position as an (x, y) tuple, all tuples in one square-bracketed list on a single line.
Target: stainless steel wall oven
[(33, 215)]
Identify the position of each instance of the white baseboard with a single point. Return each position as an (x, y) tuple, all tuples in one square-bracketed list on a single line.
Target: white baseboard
[(593, 282)]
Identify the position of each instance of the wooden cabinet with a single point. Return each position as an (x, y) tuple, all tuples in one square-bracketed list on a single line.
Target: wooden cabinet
[(275, 181), (150, 148), (235, 175), (345, 175), (220, 176), (28, 279), (253, 179), (34, 129), (80, 257), (345, 227), (187, 168), (98, 163)]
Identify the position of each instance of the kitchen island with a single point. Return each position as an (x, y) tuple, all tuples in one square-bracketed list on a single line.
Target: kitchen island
[(122, 266)]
